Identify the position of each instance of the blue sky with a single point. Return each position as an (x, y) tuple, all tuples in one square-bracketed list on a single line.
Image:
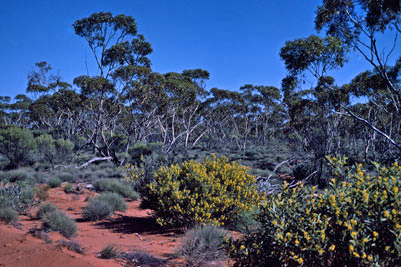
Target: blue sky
[(237, 41)]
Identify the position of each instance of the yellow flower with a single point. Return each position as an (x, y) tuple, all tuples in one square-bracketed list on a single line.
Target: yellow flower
[(387, 248), (300, 260), (356, 254), (351, 248), (353, 234), (297, 242), (370, 258), (375, 234)]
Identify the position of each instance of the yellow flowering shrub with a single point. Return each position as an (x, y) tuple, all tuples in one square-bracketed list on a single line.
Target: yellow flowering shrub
[(355, 222), (213, 191)]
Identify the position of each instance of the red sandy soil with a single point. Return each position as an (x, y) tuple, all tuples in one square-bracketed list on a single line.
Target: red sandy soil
[(133, 230)]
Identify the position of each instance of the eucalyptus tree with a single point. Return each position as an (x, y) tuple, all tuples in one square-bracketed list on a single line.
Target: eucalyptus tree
[(362, 26), (120, 54), (185, 113), (312, 110)]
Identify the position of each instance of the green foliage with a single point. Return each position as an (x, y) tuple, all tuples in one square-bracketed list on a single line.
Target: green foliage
[(54, 182), (116, 201), (109, 252), (203, 245), (44, 209), (17, 196), (17, 144), (15, 176), (53, 150), (115, 186), (96, 209), (60, 222), (69, 189), (356, 222), (8, 215), (213, 191)]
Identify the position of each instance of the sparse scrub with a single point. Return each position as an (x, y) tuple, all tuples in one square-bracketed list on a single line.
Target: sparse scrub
[(71, 245), (8, 215), (69, 189), (54, 182), (44, 209), (116, 202), (109, 252), (41, 192), (97, 209), (67, 177), (60, 222), (142, 259), (17, 196), (203, 245), (113, 185)]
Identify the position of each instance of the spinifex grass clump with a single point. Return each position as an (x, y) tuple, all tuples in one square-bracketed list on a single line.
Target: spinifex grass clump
[(356, 222), (213, 191)]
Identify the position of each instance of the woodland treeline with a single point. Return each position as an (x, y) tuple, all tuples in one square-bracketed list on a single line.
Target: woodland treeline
[(124, 109)]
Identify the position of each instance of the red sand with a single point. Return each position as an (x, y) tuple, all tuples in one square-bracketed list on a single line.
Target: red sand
[(133, 230)]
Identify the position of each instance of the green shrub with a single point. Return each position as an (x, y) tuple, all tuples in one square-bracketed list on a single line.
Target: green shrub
[(8, 215), (17, 196), (97, 209), (113, 185), (356, 222), (17, 144), (44, 209), (60, 222), (15, 176), (213, 191), (116, 202), (203, 245), (109, 252), (67, 177), (69, 189), (54, 182)]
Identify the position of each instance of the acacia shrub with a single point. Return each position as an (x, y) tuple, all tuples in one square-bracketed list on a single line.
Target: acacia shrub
[(355, 222), (213, 191)]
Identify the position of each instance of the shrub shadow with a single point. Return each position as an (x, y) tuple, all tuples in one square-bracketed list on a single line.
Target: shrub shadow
[(140, 225)]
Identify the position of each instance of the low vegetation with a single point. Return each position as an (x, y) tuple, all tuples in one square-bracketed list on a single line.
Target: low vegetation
[(96, 209), (203, 245), (109, 252), (8, 215), (60, 222)]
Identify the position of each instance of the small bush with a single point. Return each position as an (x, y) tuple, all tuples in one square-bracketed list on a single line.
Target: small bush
[(142, 259), (17, 196), (71, 245), (213, 191), (355, 222), (67, 177), (8, 215), (16, 176), (54, 182), (44, 209), (116, 202), (109, 252), (69, 189), (203, 245), (97, 209), (41, 192), (60, 222), (113, 185)]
